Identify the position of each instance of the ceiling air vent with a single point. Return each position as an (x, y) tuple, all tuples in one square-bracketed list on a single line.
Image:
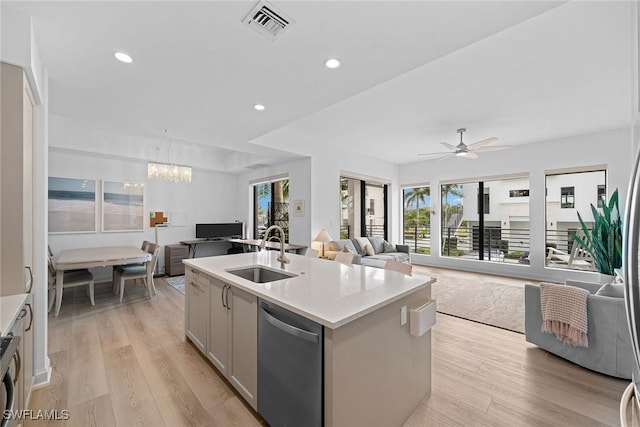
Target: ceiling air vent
[(268, 20)]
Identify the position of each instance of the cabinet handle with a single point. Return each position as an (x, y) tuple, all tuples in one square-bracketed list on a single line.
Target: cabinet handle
[(18, 360), (22, 314), (30, 318), (30, 278), (224, 288), (227, 298)]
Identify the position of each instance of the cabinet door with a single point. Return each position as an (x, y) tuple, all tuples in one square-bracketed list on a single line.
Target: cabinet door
[(243, 344), (218, 349), (197, 309)]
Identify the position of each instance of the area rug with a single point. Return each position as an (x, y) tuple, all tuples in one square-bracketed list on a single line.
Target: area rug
[(177, 282), (490, 303)]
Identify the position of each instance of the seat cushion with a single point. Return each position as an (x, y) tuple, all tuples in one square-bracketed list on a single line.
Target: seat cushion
[(380, 259), (132, 270)]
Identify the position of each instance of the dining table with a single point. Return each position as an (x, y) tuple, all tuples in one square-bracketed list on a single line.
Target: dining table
[(76, 259)]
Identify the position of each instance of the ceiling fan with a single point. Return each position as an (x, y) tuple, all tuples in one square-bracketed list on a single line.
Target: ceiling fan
[(471, 150)]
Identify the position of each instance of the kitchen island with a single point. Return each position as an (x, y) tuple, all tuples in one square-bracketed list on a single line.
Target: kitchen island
[(374, 371)]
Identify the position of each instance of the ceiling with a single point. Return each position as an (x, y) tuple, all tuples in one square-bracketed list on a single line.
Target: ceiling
[(412, 72)]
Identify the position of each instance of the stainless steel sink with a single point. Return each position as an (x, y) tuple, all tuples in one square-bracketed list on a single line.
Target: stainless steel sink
[(259, 274)]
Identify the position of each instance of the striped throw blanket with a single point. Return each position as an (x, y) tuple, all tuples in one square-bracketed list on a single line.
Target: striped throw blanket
[(564, 313)]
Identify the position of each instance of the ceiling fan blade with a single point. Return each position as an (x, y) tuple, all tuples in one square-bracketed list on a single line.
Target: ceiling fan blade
[(471, 155), (433, 154), (494, 148), (482, 143), (449, 146), (447, 156)]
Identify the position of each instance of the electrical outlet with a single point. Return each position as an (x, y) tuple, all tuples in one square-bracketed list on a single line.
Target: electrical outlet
[(403, 315)]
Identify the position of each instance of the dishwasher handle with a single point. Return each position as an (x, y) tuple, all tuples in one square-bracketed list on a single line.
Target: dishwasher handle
[(289, 329)]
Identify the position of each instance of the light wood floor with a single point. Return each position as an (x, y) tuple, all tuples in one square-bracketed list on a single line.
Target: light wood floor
[(129, 364)]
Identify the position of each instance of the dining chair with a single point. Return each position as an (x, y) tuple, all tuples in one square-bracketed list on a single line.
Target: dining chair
[(398, 266), (71, 278), (116, 272), (345, 258), (126, 272), (312, 253)]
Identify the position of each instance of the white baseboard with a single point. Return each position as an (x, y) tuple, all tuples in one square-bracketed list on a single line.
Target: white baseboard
[(42, 378)]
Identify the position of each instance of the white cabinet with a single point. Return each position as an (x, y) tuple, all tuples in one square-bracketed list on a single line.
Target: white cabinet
[(218, 349), (222, 322), (243, 343), (233, 337), (197, 308)]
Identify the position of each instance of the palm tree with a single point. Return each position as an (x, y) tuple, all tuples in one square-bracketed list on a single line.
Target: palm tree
[(418, 196), (447, 190)]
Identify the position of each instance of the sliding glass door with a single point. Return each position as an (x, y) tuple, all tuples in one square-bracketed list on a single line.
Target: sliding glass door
[(271, 207), (363, 208)]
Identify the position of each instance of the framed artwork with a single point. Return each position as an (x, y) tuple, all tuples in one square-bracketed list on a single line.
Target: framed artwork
[(298, 208), (72, 205), (122, 206)]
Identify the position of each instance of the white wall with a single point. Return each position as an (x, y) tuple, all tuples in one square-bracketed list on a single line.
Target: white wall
[(326, 168), (298, 172), (611, 148), (210, 197)]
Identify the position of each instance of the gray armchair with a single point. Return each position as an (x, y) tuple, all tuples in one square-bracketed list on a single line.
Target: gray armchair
[(609, 350)]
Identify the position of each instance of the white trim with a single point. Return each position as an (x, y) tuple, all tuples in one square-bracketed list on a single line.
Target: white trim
[(419, 185), (367, 178), (577, 169), (279, 177), (42, 378), (484, 178)]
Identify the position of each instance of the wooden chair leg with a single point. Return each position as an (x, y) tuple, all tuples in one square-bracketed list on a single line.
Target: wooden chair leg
[(122, 280), (91, 293), (116, 281), (58, 302), (153, 286)]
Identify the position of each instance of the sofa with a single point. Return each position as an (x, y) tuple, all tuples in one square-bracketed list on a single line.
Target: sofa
[(609, 350), (371, 251)]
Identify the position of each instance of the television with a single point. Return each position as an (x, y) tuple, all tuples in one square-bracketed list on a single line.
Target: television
[(219, 230)]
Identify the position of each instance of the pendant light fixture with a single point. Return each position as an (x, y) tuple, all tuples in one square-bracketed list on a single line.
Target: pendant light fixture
[(169, 171)]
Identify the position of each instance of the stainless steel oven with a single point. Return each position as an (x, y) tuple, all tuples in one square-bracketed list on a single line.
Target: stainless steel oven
[(8, 354)]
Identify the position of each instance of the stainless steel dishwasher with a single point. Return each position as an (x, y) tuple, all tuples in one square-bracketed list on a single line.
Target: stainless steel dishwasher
[(290, 368)]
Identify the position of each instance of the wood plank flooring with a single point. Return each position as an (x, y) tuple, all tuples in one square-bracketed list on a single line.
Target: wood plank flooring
[(129, 364)]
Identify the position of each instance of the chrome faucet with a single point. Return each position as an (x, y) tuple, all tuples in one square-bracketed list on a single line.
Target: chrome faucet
[(282, 258)]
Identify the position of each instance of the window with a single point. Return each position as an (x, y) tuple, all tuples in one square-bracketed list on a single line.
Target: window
[(472, 230), (271, 207), (569, 193), (363, 208), (567, 198), (519, 193), (602, 194), (416, 208)]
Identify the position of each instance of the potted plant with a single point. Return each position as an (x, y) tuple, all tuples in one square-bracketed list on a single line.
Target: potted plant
[(604, 240)]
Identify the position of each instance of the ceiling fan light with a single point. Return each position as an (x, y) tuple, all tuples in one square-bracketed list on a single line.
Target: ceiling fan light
[(461, 154)]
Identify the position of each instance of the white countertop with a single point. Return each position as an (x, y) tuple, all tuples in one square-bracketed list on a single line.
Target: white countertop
[(324, 291), (10, 307)]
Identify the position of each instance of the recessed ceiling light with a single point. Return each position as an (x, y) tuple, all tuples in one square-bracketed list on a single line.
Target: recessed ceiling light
[(258, 107), (123, 57), (332, 63)]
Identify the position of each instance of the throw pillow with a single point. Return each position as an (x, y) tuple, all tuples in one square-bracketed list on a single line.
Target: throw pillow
[(389, 247), (368, 249), (377, 243), (611, 290), (349, 249), (361, 242)]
